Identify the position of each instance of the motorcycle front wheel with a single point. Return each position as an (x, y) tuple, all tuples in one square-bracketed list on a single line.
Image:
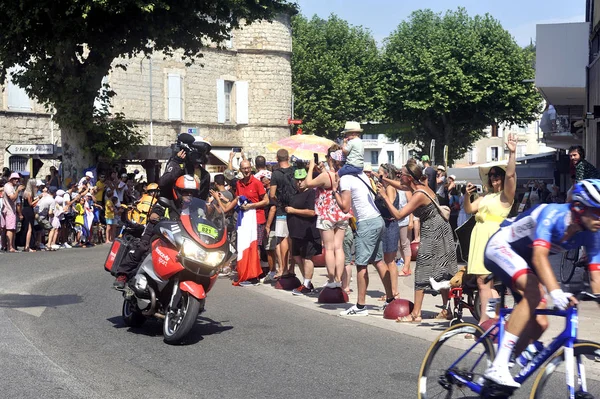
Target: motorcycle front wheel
[(179, 321)]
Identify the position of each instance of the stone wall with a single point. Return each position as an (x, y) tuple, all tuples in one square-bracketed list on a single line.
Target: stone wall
[(260, 54)]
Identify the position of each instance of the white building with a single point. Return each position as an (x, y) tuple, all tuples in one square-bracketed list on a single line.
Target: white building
[(380, 149)]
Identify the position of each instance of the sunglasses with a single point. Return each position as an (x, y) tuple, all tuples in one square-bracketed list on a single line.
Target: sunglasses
[(594, 213)]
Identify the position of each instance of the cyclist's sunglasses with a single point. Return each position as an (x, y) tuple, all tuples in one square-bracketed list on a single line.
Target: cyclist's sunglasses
[(594, 213)]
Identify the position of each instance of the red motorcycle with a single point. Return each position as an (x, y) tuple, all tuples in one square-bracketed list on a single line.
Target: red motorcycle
[(172, 282)]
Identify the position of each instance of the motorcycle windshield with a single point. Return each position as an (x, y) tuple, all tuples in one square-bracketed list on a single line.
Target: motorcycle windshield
[(203, 221)]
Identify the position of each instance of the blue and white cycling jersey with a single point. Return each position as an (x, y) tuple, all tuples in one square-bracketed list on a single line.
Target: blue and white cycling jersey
[(546, 225)]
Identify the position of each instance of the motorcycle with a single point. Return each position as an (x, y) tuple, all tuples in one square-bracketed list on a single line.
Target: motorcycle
[(172, 281)]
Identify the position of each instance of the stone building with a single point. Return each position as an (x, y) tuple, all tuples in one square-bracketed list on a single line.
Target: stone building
[(239, 96)]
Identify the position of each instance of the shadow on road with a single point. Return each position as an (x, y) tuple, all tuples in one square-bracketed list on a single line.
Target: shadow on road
[(154, 328), (30, 300)]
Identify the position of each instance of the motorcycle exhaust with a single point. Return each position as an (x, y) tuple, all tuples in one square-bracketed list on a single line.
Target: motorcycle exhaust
[(152, 309)]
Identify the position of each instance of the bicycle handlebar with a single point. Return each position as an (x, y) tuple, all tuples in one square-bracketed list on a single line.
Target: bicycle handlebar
[(586, 296)]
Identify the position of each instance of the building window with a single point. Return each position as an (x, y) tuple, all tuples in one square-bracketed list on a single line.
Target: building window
[(390, 155), (374, 158), (472, 156), (18, 100), (494, 130), (17, 163), (228, 88), (369, 136), (175, 97), (493, 154)]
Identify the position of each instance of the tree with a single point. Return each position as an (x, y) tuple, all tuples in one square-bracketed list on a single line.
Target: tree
[(334, 74), (63, 49), (451, 76)]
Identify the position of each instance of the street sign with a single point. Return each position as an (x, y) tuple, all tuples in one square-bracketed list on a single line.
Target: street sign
[(30, 149), (193, 131), (294, 121)]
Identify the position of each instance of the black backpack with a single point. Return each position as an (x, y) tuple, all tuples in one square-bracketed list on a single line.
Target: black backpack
[(287, 190)]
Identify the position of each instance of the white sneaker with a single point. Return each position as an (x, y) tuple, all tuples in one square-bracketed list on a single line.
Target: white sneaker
[(355, 311), (501, 376), (67, 245), (333, 284), (55, 246)]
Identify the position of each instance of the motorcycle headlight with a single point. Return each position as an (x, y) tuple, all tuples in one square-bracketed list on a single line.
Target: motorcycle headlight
[(196, 253)]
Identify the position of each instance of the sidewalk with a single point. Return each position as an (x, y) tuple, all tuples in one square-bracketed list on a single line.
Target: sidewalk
[(430, 328)]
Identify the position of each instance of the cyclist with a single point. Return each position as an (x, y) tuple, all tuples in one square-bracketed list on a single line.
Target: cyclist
[(528, 240)]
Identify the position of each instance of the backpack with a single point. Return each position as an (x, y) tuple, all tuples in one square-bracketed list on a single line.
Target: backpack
[(287, 190)]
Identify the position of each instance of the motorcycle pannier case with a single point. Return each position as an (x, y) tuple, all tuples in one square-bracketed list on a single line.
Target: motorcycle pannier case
[(115, 255)]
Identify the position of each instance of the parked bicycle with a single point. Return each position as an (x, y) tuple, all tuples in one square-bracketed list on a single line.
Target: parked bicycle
[(569, 263), (565, 357)]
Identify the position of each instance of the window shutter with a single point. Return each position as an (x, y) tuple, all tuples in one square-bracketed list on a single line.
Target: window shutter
[(488, 156), (500, 130), (220, 101), (474, 155), (175, 102), (17, 97), (241, 100), (500, 153)]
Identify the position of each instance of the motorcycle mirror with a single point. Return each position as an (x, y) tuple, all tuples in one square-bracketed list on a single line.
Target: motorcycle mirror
[(186, 138)]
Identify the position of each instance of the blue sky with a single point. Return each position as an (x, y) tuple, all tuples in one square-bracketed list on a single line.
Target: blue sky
[(382, 17)]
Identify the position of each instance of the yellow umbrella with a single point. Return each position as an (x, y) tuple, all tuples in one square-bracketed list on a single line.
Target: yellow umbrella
[(302, 146)]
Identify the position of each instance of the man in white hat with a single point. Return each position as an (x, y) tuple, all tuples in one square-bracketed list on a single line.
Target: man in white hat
[(86, 180), (353, 149)]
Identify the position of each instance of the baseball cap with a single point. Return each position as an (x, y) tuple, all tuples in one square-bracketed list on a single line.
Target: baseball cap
[(60, 193), (453, 177), (263, 173), (89, 174), (441, 167), (300, 174), (425, 158), (39, 183)]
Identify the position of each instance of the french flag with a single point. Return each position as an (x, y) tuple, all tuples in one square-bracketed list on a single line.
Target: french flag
[(248, 261)]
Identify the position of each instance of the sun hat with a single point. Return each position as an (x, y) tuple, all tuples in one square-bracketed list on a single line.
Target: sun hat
[(14, 175), (300, 174), (89, 174), (367, 167), (351, 127), (263, 173), (441, 167), (453, 177), (338, 156)]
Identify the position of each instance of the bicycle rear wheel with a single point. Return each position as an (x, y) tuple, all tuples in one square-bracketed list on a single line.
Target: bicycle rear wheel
[(434, 379), (587, 374), (567, 265)]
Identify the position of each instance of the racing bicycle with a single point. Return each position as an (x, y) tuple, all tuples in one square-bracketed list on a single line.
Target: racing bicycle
[(454, 365)]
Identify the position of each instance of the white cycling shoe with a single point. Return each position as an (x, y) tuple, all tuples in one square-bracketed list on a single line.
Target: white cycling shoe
[(501, 376)]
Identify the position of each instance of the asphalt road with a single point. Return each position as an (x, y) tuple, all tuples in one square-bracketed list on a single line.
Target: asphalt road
[(61, 336)]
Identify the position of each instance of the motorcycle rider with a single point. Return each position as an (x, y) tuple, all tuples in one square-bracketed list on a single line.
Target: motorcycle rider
[(183, 190), (182, 169)]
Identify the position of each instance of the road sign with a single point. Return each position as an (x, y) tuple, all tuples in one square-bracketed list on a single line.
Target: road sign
[(30, 149), (294, 121), (193, 131)]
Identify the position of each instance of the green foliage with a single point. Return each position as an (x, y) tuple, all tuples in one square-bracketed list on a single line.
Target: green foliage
[(65, 48), (334, 74), (451, 75)]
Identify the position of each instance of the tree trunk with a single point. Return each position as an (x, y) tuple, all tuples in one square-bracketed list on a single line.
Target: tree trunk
[(75, 154)]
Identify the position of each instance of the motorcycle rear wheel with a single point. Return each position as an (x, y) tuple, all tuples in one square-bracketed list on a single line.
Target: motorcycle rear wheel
[(179, 322), (132, 315)]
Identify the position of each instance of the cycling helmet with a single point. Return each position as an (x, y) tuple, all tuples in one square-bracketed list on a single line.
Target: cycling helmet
[(587, 192), (185, 183)]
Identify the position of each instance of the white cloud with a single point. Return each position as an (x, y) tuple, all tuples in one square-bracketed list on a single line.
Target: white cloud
[(523, 34)]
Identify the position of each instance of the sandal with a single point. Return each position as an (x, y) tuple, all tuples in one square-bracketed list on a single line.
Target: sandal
[(29, 250), (444, 315), (411, 318), (402, 273)]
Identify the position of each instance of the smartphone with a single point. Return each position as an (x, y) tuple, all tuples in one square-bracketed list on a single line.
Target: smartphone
[(316, 158), (236, 149)]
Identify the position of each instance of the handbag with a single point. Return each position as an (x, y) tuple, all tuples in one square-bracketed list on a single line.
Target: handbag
[(443, 209)]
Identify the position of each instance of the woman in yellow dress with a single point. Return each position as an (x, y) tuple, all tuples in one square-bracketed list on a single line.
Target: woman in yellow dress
[(490, 210)]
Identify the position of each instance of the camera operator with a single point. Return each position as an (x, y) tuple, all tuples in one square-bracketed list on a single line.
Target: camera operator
[(192, 155)]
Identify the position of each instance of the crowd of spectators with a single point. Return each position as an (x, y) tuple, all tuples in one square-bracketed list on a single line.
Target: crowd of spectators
[(47, 215)]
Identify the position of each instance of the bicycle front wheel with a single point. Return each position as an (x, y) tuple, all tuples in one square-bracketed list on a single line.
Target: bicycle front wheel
[(567, 265), (550, 382), (435, 380)]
